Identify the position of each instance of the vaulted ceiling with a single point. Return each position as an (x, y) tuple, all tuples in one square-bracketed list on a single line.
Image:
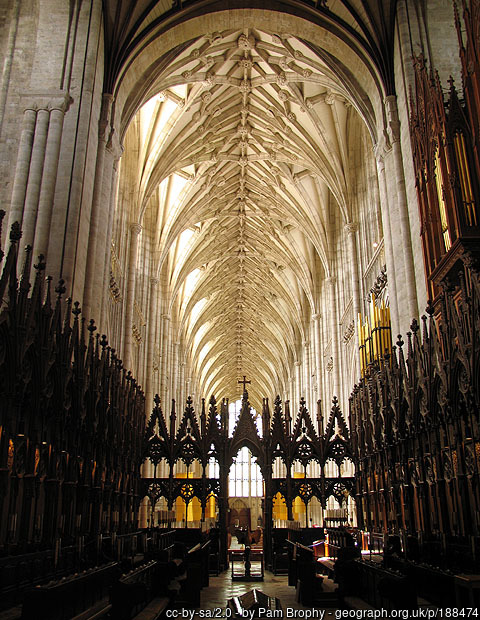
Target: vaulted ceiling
[(367, 23), (240, 161)]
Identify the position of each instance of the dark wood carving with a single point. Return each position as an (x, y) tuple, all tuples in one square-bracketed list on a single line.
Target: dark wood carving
[(201, 440), (416, 434), (445, 137), (72, 423)]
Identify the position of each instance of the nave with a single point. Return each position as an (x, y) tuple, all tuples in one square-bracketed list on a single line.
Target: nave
[(193, 192)]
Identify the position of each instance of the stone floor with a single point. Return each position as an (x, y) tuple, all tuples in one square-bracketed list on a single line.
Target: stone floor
[(222, 588)]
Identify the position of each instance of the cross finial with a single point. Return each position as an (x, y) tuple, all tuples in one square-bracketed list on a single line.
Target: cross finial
[(244, 382)]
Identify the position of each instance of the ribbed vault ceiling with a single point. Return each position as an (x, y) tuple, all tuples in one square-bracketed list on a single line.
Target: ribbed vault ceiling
[(258, 133)]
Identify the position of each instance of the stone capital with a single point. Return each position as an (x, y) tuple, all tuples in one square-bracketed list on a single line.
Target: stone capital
[(380, 157), (114, 145), (55, 100), (382, 148), (351, 228), (331, 280), (316, 317), (330, 98), (135, 228), (392, 117), (154, 281), (105, 117)]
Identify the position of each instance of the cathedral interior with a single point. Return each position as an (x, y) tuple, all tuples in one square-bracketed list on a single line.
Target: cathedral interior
[(239, 307)]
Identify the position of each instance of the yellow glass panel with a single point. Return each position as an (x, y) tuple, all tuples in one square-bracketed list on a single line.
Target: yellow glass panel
[(279, 508), (210, 508), (298, 505)]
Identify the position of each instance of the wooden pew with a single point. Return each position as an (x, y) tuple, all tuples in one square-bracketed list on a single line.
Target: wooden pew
[(81, 596), (196, 576), (338, 539), (433, 584), (280, 551), (340, 546), (22, 572), (309, 584), (302, 573), (143, 592), (214, 557), (379, 587), (205, 562), (292, 563)]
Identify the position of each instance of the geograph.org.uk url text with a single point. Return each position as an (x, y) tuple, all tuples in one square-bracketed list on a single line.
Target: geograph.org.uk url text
[(428, 613)]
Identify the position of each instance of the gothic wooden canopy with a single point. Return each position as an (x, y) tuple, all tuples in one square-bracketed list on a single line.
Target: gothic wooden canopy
[(297, 440)]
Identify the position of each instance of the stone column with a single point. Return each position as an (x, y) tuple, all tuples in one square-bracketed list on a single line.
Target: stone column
[(312, 370), (174, 375), (351, 231), (36, 168), (151, 335), (318, 355), (22, 168), (394, 124), (98, 214), (8, 59), (130, 297), (307, 374), (49, 176), (181, 388), (35, 177), (164, 362), (188, 383), (387, 236), (75, 153), (105, 277), (334, 332), (298, 388), (291, 394)]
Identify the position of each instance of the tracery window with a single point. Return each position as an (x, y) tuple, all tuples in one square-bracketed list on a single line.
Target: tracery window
[(245, 478), (213, 470)]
